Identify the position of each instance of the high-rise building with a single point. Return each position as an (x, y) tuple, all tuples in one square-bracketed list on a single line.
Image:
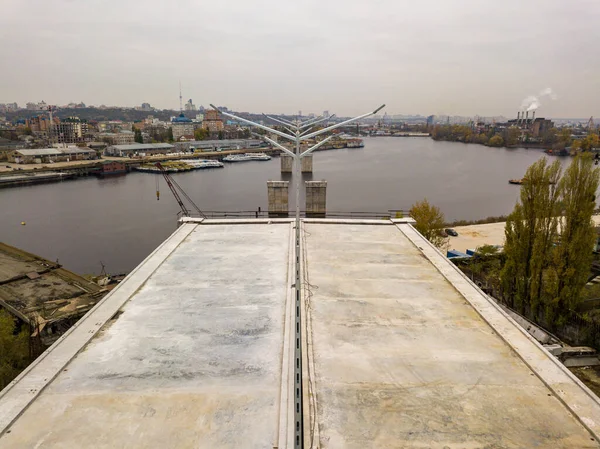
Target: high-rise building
[(71, 130), (189, 106), (40, 124)]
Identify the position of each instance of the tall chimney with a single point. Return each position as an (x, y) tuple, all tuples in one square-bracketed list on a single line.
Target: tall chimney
[(526, 117), (518, 116), (533, 116)]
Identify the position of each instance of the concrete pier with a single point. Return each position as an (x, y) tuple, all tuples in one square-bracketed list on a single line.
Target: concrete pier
[(278, 198), (307, 164), (286, 163), (316, 195)]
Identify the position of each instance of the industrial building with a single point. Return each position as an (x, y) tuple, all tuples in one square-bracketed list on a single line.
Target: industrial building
[(138, 149), (535, 126), (49, 155), (213, 145), (201, 346)]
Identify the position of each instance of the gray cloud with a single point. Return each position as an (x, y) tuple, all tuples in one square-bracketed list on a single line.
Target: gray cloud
[(460, 57)]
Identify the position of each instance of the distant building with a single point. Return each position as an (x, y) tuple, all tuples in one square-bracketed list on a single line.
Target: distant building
[(71, 130), (47, 155), (121, 138), (146, 107), (212, 145), (40, 125), (113, 168), (138, 149), (212, 121), (182, 126), (535, 126), (8, 107), (109, 126), (189, 106), (540, 125)]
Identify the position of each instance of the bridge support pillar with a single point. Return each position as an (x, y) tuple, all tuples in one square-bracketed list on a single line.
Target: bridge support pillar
[(316, 196), (286, 163), (307, 163), (277, 193)]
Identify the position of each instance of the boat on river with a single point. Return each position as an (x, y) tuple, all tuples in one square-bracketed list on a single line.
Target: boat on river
[(201, 164), (247, 157)]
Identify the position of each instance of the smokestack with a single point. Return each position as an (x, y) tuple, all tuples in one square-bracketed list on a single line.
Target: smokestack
[(526, 117), (518, 116), (533, 116)]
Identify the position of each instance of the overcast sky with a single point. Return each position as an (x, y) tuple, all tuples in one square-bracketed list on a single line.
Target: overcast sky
[(462, 57)]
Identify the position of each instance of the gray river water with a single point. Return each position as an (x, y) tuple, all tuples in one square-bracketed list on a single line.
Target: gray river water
[(119, 221)]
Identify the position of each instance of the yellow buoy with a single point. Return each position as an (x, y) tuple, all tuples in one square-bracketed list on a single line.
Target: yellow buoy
[(23, 223)]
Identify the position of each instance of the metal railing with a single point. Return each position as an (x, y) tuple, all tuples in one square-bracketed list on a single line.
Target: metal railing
[(392, 213)]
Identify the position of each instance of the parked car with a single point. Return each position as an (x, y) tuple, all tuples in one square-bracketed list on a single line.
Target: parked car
[(451, 232)]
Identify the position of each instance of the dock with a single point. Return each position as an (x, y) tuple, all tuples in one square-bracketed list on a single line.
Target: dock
[(12, 180)]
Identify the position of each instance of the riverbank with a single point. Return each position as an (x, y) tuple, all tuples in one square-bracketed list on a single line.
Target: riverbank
[(474, 236)]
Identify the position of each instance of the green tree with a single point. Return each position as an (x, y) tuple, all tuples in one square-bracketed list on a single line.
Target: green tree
[(512, 135), (573, 256), (550, 137), (170, 134), (220, 135), (564, 135), (530, 231), (486, 250), (429, 221), (14, 349), (201, 134), (138, 136), (496, 141)]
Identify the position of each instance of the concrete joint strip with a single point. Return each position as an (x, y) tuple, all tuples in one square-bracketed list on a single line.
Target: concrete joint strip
[(214, 221), (22, 391), (569, 390), (352, 221), (285, 432), (312, 436)]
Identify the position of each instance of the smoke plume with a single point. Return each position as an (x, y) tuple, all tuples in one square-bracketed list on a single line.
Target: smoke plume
[(531, 103)]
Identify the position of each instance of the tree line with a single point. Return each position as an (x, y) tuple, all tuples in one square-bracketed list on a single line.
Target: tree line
[(549, 239), (554, 138)]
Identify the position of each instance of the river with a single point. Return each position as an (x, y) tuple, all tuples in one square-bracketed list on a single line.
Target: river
[(118, 221)]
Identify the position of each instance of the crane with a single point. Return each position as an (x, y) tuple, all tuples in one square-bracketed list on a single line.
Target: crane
[(174, 189)]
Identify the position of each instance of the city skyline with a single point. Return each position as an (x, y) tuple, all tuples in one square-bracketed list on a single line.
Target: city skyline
[(444, 57)]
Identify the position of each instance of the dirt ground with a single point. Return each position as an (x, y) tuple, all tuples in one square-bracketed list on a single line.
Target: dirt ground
[(471, 237), (590, 376)]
